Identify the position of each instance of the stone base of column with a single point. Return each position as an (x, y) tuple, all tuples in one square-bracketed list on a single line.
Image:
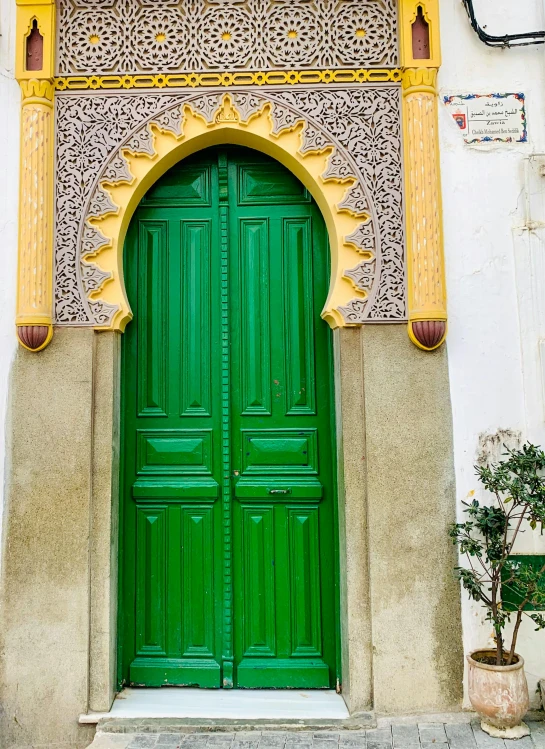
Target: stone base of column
[(428, 334)]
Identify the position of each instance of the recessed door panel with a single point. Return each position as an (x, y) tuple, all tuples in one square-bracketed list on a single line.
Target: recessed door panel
[(258, 593), (198, 616), (153, 297), (196, 318), (228, 570)]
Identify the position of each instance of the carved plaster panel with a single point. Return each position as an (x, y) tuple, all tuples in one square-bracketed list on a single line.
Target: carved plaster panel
[(367, 123), (148, 36), (357, 129), (88, 130)]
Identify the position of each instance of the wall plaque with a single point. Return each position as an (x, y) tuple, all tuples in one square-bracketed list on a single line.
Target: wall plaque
[(489, 118)]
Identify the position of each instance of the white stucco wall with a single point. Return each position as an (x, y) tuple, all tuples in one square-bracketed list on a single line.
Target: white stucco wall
[(9, 166), (494, 244)]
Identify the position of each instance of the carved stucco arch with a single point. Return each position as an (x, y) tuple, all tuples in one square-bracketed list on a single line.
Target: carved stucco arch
[(247, 119)]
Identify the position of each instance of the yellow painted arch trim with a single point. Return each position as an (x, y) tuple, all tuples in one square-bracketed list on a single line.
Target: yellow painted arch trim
[(227, 128)]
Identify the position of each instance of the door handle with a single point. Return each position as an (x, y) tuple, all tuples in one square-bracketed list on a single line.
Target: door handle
[(279, 491)]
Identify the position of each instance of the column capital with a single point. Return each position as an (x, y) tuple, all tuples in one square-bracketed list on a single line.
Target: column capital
[(40, 90), (414, 80)]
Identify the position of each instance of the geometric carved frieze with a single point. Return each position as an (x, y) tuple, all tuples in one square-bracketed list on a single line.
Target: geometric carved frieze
[(99, 37), (356, 130)]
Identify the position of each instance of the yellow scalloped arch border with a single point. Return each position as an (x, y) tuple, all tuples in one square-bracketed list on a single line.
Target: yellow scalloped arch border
[(256, 133)]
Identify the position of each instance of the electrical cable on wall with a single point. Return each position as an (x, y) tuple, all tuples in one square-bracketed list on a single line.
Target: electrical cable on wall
[(506, 40)]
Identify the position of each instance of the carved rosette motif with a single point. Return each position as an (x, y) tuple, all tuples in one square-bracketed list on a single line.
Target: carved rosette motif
[(209, 35), (78, 248)]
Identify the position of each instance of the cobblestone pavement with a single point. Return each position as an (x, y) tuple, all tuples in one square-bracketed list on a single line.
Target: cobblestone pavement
[(422, 736)]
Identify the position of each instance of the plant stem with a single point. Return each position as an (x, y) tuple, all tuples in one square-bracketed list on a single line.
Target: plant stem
[(499, 649), (499, 639), (519, 620), (510, 516), (515, 632)]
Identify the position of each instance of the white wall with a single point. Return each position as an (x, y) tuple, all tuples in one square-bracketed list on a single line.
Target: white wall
[(494, 245), (9, 180)]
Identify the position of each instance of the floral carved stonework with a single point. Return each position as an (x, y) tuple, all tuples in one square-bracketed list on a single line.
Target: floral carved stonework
[(317, 59), (357, 128)]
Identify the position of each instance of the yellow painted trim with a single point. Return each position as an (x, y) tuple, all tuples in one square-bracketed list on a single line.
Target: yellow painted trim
[(407, 14), (424, 218), (35, 261), (423, 205), (227, 128), (196, 80), (36, 202), (44, 13), (419, 80)]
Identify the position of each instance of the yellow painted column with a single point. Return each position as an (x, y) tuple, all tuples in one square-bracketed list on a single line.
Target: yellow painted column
[(35, 70), (421, 58)]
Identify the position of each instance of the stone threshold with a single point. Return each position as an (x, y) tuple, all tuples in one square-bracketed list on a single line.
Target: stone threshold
[(277, 706), (360, 722)]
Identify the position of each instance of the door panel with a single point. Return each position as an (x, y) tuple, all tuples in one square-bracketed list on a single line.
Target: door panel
[(198, 582), (299, 334), (228, 570), (196, 317), (258, 595), (152, 295), (256, 340)]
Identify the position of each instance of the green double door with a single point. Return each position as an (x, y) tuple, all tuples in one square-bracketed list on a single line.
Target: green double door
[(228, 528)]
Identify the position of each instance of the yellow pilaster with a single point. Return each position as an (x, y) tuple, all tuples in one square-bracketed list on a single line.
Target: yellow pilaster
[(424, 233), (35, 267)]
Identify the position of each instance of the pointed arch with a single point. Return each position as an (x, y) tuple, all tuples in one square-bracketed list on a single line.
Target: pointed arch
[(246, 119)]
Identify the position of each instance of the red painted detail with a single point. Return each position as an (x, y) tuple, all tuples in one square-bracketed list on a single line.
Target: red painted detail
[(421, 36), (429, 333), (34, 48), (461, 120), (33, 336)]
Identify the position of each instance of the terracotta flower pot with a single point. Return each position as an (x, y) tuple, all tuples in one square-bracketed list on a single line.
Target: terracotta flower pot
[(499, 694)]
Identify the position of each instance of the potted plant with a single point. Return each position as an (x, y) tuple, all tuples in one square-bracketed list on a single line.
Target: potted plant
[(508, 589)]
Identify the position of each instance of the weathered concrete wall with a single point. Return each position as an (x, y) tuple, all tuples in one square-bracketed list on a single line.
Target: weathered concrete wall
[(104, 519), (415, 603), (494, 222), (44, 602), (356, 624), (400, 607)]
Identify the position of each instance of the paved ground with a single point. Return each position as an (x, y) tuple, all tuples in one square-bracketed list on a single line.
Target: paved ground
[(422, 736)]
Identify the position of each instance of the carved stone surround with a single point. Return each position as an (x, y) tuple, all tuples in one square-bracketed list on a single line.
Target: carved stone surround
[(359, 125)]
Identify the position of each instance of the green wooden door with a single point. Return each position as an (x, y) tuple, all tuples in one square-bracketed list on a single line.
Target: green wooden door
[(228, 529)]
